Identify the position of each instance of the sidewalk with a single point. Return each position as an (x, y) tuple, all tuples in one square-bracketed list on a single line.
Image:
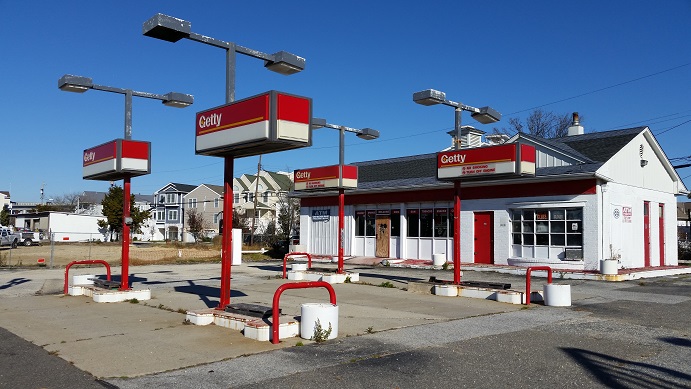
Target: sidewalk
[(624, 274), (128, 340)]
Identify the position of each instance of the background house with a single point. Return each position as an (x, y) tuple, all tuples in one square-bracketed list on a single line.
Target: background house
[(168, 211), (270, 189), (207, 201)]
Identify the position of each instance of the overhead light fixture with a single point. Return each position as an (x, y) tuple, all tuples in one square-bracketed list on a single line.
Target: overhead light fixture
[(78, 84), (167, 28), (429, 97), (177, 100), (368, 134), (487, 115), (285, 63)]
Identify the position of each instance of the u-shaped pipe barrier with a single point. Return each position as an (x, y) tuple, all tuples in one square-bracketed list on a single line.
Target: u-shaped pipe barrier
[(295, 285), (285, 261), (86, 262), (527, 279)]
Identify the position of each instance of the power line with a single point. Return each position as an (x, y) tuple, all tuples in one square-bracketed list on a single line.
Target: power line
[(603, 89)]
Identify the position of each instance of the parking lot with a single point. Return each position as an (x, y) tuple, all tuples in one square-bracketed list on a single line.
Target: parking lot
[(621, 332)]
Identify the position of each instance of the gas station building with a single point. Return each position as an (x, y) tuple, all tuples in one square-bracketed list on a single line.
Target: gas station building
[(592, 196)]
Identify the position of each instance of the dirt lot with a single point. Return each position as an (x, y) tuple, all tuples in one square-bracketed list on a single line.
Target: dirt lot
[(64, 253)]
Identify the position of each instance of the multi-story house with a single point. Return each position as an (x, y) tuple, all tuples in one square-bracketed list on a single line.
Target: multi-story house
[(272, 186), (4, 198), (168, 211), (207, 201)]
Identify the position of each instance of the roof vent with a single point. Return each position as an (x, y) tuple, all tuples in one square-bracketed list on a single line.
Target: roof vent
[(575, 128), (470, 137)]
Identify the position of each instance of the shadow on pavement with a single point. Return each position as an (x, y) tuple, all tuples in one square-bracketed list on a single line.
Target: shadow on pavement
[(677, 341), (615, 372), (14, 282), (204, 292)]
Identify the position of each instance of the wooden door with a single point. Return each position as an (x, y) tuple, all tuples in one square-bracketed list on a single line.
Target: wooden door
[(484, 242), (383, 231)]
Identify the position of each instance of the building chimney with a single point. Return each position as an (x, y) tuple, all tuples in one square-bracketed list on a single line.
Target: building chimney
[(575, 128)]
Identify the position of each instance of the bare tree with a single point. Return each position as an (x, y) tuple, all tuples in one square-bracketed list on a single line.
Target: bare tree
[(544, 124), (196, 224)]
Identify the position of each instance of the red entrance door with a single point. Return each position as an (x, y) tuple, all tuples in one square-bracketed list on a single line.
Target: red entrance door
[(484, 242), (646, 233), (661, 230)]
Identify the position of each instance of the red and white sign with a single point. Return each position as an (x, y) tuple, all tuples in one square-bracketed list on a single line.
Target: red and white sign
[(325, 178), (627, 214), (507, 159), (269, 122), (117, 159)]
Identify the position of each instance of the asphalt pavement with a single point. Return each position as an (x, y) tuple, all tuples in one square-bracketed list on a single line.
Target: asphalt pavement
[(624, 334)]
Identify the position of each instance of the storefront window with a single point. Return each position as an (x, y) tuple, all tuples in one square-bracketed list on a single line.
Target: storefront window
[(396, 222), (413, 223), (359, 223), (426, 223), (441, 218), (548, 228), (369, 223)]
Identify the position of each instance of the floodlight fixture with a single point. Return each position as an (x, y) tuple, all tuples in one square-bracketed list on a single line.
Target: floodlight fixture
[(285, 63), (167, 28), (368, 134), (429, 97), (78, 84), (177, 100), (486, 115)]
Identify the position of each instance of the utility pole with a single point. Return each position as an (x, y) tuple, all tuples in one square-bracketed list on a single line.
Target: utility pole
[(256, 189)]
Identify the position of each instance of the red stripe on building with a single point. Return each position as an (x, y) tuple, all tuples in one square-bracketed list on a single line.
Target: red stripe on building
[(538, 189)]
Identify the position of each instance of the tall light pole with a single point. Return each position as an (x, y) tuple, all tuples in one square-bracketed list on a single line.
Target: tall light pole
[(172, 29), (78, 84), (484, 115), (365, 133)]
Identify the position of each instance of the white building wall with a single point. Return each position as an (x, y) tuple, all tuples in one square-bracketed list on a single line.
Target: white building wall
[(322, 236), (598, 231), (625, 167), (627, 239), (76, 228)]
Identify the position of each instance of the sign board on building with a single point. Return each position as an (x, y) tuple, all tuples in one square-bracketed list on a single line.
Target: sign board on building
[(116, 160), (511, 159), (269, 122), (321, 215), (627, 214), (325, 178)]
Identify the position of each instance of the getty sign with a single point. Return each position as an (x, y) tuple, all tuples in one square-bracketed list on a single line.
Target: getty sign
[(481, 162), (265, 123), (117, 159)]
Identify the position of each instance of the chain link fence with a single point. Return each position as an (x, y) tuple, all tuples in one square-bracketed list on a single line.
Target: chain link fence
[(62, 248)]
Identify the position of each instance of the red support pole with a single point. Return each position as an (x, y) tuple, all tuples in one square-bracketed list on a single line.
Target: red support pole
[(124, 281), (227, 238), (296, 285), (341, 230), (457, 233)]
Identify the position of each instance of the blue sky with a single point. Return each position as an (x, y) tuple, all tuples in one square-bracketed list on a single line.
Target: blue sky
[(619, 63)]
